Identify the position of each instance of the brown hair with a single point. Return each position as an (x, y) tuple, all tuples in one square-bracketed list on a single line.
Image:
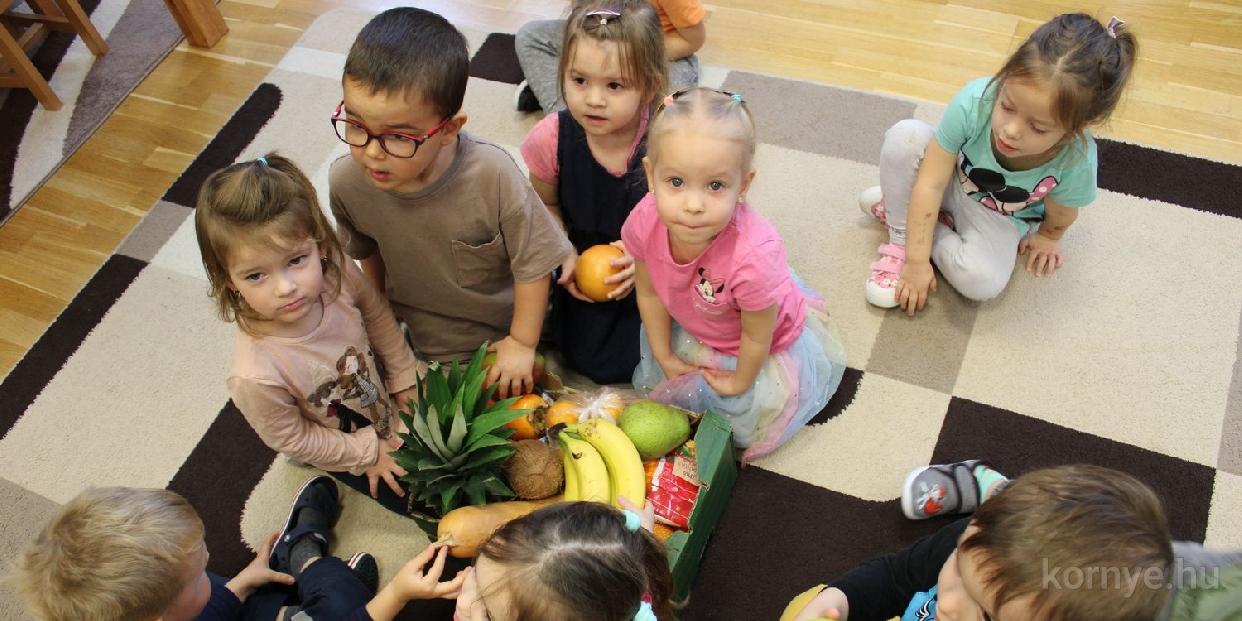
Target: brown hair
[(639, 39), (577, 560), (1087, 66), (263, 201), (111, 554), (728, 113), (412, 52), (1075, 521)]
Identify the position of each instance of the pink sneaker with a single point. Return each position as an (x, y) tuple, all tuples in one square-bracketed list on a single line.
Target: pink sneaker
[(871, 202), (881, 287)]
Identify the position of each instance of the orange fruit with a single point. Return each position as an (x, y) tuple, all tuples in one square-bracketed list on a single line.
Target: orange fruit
[(594, 265), (563, 411), (530, 426)]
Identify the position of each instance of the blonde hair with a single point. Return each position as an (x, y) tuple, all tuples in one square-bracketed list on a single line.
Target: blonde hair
[(1086, 64), (726, 112), (111, 554), (261, 202), (1082, 520), (577, 560), (635, 29)]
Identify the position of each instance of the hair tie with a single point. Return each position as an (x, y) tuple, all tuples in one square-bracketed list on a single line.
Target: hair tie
[(603, 16), (645, 612), (669, 99), (261, 159), (633, 521), (1112, 26), (736, 97)]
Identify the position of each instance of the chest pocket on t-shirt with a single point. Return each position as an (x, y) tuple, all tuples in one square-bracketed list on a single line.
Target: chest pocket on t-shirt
[(481, 264)]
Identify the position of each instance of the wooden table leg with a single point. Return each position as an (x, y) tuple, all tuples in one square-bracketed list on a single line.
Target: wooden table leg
[(199, 20), (26, 75), (82, 25)]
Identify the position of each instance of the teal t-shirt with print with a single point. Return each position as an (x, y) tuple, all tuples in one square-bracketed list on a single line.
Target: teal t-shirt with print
[(966, 129)]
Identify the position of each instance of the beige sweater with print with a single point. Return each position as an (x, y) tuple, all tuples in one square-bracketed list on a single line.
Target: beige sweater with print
[(321, 399)]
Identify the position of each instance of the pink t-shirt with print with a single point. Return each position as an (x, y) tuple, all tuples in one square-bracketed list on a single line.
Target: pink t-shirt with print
[(744, 269)]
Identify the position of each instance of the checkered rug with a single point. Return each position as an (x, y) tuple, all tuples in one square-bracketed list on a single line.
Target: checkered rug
[(1127, 358)]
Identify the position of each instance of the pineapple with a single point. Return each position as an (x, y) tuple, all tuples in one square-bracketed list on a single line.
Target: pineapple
[(457, 444)]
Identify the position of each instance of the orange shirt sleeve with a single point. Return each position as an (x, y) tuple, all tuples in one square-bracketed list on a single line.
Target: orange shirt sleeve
[(676, 14)]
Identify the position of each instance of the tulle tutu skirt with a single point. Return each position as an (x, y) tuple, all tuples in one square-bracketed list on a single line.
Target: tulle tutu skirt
[(792, 386)]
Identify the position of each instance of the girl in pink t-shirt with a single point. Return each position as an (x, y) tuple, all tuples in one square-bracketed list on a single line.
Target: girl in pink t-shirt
[(727, 327)]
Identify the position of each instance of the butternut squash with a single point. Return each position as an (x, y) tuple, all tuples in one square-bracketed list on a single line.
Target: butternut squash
[(466, 528)]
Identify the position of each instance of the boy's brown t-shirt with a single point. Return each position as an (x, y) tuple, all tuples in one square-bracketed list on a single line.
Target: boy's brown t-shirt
[(453, 250)]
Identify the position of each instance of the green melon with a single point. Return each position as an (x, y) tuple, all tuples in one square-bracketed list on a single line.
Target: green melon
[(654, 428)]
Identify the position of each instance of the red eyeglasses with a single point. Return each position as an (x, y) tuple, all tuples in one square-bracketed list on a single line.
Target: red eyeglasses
[(396, 144)]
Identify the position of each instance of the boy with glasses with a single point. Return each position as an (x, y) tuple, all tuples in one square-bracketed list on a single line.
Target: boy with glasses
[(444, 223)]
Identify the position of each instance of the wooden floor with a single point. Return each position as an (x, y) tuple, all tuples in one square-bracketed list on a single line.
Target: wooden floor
[(1187, 97)]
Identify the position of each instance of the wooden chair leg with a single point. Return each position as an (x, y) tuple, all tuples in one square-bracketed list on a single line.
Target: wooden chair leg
[(83, 26), (27, 75)]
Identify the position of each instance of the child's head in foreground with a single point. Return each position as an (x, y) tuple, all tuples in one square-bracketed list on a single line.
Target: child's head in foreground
[(1068, 75), (699, 151), (567, 562), (118, 554), (1061, 544), (405, 79), (266, 245)]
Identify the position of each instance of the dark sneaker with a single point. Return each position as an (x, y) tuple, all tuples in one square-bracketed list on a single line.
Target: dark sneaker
[(314, 512), (367, 570), (524, 99), (946, 489)]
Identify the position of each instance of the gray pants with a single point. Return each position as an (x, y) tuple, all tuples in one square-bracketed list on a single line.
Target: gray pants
[(539, 50), (978, 257)]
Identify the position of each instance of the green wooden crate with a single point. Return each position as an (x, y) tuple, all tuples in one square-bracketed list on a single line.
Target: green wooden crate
[(713, 443)]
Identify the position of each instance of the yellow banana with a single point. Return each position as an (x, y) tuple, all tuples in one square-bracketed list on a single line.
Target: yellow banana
[(571, 476), (592, 474), (625, 467)]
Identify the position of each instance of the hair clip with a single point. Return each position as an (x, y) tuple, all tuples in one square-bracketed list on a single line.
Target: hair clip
[(645, 613), (1112, 26), (603, 16), (669, 99), (262, 160), (633, 521)]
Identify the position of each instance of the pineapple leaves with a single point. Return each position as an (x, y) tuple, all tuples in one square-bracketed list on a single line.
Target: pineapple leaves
[(438, 393), (487, 454), (422, 430), (437, 433), (476, 493), (491, 421), (454, 378), (457, 434), (474, 383), (497, 488)]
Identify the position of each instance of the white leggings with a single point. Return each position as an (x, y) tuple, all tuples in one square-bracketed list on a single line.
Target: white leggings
[(978, 257)]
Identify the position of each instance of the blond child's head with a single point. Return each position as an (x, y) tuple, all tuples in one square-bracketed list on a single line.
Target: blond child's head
[(117, 554)]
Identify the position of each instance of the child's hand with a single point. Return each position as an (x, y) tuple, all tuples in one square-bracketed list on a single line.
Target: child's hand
[(403, 398), (917, 282), (725, 383), (1043, 254), (385, 468), (514, 365), (674, 366), (829, 604), (257, 573), (413, 581), (624, 279), (567, 278)]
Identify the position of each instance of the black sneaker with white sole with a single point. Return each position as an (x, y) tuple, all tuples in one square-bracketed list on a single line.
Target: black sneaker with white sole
[(367, 570), (315, 510)]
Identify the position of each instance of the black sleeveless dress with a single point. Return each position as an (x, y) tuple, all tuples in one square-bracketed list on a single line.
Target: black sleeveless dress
[(598, 340)]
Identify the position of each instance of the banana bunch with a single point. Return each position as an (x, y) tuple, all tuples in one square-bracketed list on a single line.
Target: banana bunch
[(601, 464)]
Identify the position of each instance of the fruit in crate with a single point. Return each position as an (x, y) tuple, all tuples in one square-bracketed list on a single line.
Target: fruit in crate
[(625, 469), (466, 528), (564, 411), (535, 471), (655, 428), (586, 476), (457, 442), (530, 424), (594, 266), (536, 372)]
